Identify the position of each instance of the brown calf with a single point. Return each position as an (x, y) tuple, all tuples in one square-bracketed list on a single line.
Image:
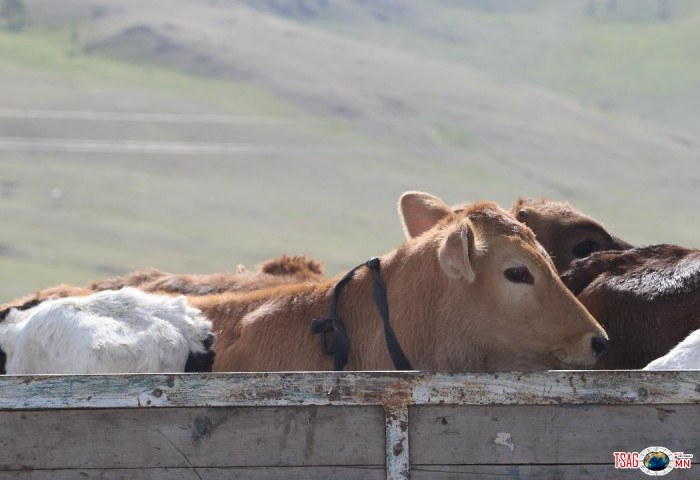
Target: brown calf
[(277, 271), (468, 291), (565, 232), (647, 299)]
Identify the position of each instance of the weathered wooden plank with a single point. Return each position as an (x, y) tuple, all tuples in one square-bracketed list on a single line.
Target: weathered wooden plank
[(349, 388), (583, 434), (397, 448), (196, 437), (536, 472), (234, 473), (95, 437)]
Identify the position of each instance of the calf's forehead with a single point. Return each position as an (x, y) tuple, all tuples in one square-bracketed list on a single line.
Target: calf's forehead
[(495, 222)]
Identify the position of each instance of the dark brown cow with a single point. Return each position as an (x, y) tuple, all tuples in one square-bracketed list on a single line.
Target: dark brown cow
[(565, 232), (647, 299)]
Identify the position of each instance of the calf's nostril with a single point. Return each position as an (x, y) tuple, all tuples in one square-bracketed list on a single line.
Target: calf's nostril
[(599, 345)]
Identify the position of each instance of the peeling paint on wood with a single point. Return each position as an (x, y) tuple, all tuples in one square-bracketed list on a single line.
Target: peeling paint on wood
[(503, 438), (392, 389), (396, 442)]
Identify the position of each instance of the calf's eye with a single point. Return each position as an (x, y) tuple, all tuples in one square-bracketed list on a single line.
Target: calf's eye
[(585, 248), (519, 275)]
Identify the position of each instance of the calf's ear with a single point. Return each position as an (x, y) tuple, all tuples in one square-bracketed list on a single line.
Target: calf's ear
[(454, 252), (420, 212)]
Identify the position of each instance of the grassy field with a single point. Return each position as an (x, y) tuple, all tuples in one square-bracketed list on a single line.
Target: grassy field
[(193, 137)]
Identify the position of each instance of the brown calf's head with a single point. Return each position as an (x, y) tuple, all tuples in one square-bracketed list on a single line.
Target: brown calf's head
[(501, 299), (565, 232)]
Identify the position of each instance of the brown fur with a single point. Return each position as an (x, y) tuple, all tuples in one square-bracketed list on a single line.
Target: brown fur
[(647, 299), (560, 228), (450, 304), (39, 296), (133, 279), (277, 271), (297, 265)]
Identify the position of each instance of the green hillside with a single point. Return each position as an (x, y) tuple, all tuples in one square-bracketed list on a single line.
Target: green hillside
[(194, 136), (639, 56)]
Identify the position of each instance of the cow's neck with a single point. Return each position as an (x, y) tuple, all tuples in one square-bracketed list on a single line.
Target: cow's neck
[(417, 286), (363, 323), (411, 291), (354, 303)]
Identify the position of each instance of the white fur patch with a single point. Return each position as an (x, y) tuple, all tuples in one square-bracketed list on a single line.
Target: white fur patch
[(684, 356), (122, 331)]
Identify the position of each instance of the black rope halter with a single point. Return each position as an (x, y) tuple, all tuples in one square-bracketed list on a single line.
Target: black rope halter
[(332, 322)]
